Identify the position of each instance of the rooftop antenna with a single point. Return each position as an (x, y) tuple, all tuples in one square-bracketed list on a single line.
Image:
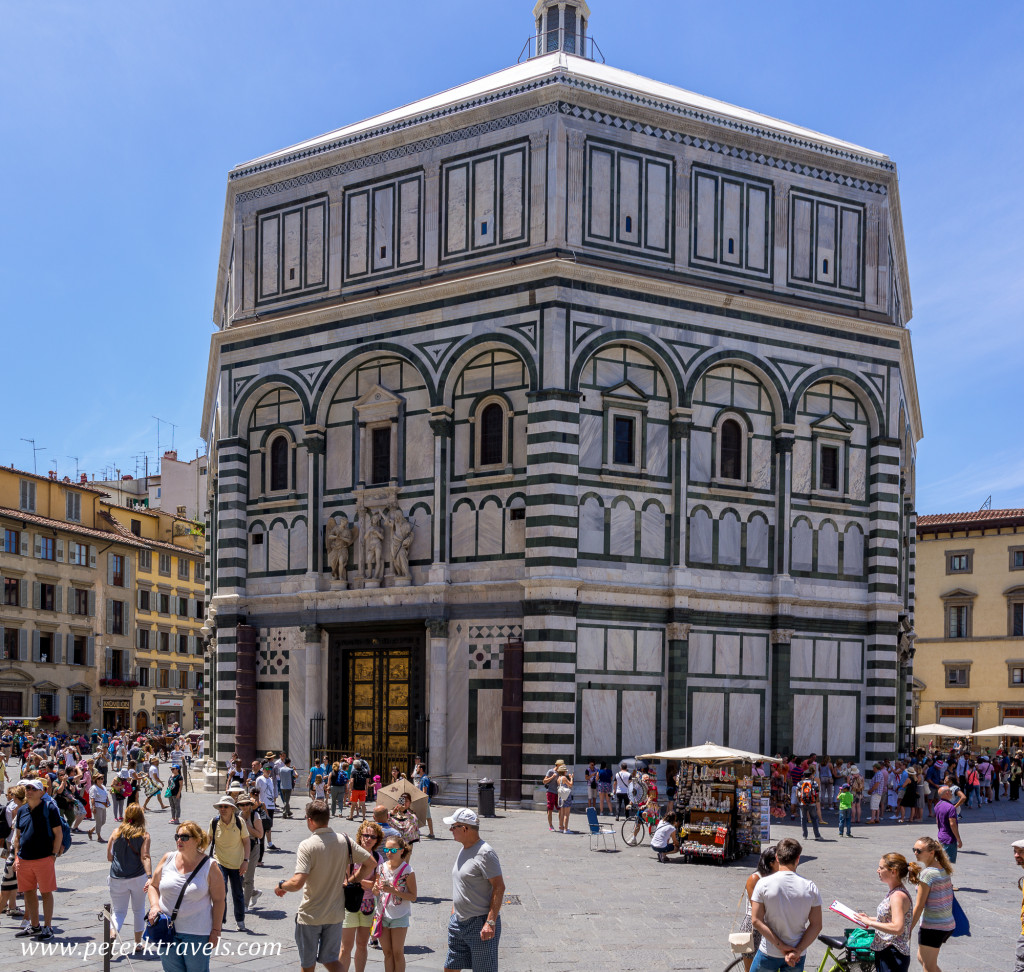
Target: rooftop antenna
[(76, 465), (34, 451), (53, 462), (987, 505)]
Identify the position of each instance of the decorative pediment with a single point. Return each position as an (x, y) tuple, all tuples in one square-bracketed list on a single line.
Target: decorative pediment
[(79, 688), (12, 675), (378, 404), (45, 687), (625, 391), (959, 593), (831, 424)]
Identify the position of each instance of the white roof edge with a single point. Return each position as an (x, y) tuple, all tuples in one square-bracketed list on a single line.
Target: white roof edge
[(707, 109)]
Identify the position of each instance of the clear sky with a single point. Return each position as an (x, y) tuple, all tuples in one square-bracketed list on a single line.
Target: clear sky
[(119, 123)]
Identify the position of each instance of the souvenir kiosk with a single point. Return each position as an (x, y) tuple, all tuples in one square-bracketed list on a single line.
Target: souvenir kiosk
[(724, 808)]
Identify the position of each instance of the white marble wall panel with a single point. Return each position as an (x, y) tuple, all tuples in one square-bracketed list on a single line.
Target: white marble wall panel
[(600, 194), (409, 221), (648, 650), (512, 195), (707, 217), (270, 720), (515, 535), (657, 449), (464, 532), (457, 713), (301, 470), (383, 224), (277, 551), (803, 543), (298, 718), (258, 553), (298, 547), (727, 654), (858, 459), (356, 224), (598, 720), (488, 722), (419, 459), (700, 537), (718, 390), (391, 376), (490, 520), (801, 658), (590, 648), (745, 721), (807, 723), (421, 538), (761, 464), (652, 532), (591, 526), (828, 549), (657, 202), (700, 456), (620, 649), (590, 440), (802, 466), (622, 538), (639, 722), (853, 552), (701, 654), (507, 374), (849, 659), (483, 201), (519, 440), (729, 539), (842, 725), (456, 214), (269, 254), (708, 718), (757, 542), (755, 656), (338, 457), (826, 659)]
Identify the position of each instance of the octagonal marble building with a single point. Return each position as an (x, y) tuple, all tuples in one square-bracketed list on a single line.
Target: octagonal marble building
[(568, 384)]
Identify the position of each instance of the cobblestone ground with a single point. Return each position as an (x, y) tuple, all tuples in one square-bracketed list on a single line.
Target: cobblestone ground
[(571, 909)]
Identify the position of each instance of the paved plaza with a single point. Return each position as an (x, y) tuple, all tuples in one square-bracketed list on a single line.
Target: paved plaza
[(571, 909)]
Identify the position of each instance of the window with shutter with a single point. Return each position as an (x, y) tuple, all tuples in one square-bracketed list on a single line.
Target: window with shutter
[(23, 644), (27, 496), (35, 704), (108, 661), (74, 506), (60, 550), (35, 646), (92, 604), (58, 648), (36, 589), (92, 556), (110, 616), (90, 652), (23, 594)]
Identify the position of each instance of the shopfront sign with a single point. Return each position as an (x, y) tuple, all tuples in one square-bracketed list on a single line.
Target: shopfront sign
[(116, 704), (168, 703)]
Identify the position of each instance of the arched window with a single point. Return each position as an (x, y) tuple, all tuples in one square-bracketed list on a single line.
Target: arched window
[(279, 463), (492, 434), (731, 450)]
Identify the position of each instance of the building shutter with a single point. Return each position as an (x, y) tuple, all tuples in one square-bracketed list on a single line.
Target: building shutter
[(191, 607), (60, 550), (35, 595), (35, 646), (23, 645), (128, 571), (138, 600), (38, 545), (92, 604), (110, 569), (110, 616), (58, 598), (24, 544), (58, 647), (90, 651), (35, 704), (108, 660), (71, 706), (23, 593), (92, 556)]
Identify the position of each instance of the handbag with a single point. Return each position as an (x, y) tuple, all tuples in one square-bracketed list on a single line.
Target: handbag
[(353, 892), (161, 929), (741, 942), (962, 928), (378, 915)]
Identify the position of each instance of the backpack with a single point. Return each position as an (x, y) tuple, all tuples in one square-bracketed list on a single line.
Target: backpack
[(432, 788), (50, 804), (213, 830), (805, 791), (360, 774)]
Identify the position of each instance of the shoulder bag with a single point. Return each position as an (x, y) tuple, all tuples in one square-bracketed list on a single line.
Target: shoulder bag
[(741, 942), (353, 891), (161, 929)]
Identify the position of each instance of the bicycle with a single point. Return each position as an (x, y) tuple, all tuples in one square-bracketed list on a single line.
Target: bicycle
[(832, 961), (633, 827)]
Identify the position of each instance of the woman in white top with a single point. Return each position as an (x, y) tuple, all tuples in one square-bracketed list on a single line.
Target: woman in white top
[(99, 797), (154, 784), (202, 905), (396, 885)]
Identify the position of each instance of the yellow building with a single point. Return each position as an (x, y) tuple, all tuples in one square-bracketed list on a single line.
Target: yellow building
[(169, 612), (67, 610), (969, 660)]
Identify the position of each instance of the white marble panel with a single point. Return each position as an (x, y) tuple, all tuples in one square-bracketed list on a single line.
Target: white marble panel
[(590, 648), (258, 553), (590, 440), (515, 535), (488, 722), (801, 658), (718, 391), (648, 650), (802, 466), (270, 720), (700, 456), (298, 547), (807, 723), (656, 201), (456, 205), (755, 656), (484, 230), (601, 193), (802, 545), (729, 539), (657, 449), (419, 453), (745, 721), (457, 712), (757, 209), (269, 254), (422, 542), (338, 457), (828, 549), (291, 412), (727, 654), (732, 204), (629, 200), (757, 542), (507, 374), (622, 536), (842, 726), (858, 458), (700, 537), (277, 552), (609, 373), (620, 649), (489, 523), (383, 226), (746, 394), (761, 463), (639, 725), (464, 532), (511, 195), (701, 652), (652, 533), (707, 217), (826, 659), (519, 441), (853, 552), (849, 659), (391, 376), (356, 225), (591, 526), (408, 221), (460, 445), (708, 723), (301, 470), (598, 721)]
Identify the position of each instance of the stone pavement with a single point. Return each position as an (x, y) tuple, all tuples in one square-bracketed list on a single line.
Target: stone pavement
[(571, 909)]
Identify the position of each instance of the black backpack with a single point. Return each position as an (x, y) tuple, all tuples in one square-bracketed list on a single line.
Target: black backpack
[(213, 829)]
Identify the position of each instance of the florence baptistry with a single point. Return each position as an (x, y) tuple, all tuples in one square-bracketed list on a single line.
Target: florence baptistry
[(570, 389)]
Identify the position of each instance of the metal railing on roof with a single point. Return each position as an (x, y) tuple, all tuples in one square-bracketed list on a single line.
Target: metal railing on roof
[(551, 41)]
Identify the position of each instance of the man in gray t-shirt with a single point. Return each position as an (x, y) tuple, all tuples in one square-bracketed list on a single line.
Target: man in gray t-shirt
[(786, 909), (478, 889)]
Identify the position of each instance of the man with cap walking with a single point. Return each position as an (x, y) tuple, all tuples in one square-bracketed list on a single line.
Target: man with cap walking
[(229, 847), (478, 890), (38, 842)]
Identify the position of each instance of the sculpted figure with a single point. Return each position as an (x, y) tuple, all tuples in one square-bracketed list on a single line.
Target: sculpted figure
[(374, 551), (340, 536), (401, 541)]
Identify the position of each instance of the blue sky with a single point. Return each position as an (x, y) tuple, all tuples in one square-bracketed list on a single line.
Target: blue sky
[(120, 121)]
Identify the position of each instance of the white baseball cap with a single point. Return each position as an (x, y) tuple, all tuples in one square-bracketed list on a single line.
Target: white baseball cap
[(462, 816)]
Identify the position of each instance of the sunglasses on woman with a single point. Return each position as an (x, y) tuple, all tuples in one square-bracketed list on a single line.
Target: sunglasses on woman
[(391, 850), (182, 836)]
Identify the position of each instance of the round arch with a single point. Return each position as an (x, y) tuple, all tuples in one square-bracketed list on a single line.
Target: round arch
[(469, 349), (252, 395), (748, 362), (639, 342), (851, 382)]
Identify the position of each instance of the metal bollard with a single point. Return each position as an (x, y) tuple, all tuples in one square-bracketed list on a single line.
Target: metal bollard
[(106, 938)]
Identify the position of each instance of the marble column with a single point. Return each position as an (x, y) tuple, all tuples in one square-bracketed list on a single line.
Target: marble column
[(680, 423), (316, 677), (442, 426), (678, 636), (781, 701), (784, 437), (315, 443), (437, 702)]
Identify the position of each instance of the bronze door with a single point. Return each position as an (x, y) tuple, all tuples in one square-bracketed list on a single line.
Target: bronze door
[(10, 704)]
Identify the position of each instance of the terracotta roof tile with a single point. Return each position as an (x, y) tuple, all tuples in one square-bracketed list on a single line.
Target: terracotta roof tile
[(975, 518), (45, 521)]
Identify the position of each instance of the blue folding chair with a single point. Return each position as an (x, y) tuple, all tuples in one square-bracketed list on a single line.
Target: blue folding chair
[(599, 831)]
